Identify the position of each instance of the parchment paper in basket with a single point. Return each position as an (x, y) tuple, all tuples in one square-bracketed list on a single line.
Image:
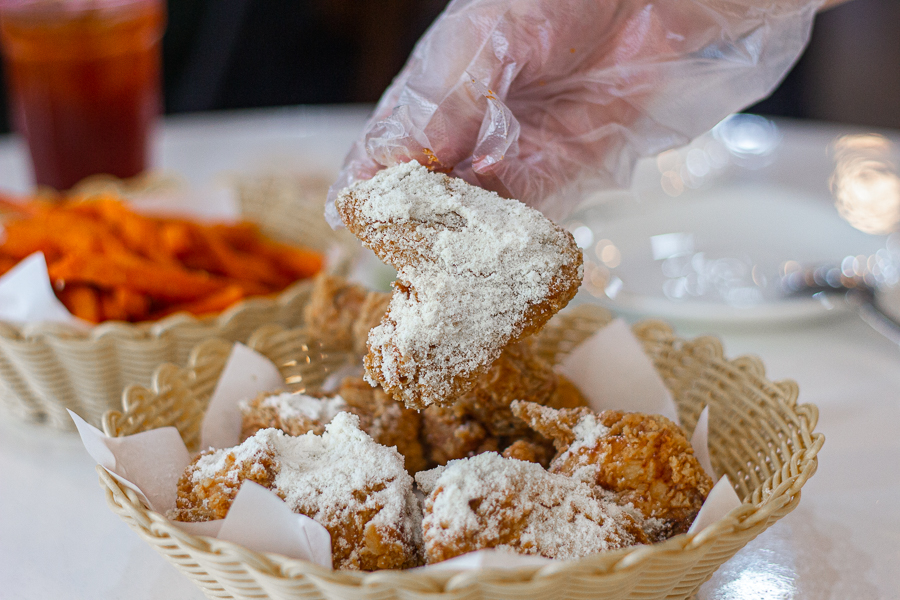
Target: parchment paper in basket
[(151, 462), (26, 295), (612, 370), (246, 374)]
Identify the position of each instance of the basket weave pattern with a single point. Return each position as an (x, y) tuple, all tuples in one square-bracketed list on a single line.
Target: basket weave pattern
[(47, 368), (759, 436)]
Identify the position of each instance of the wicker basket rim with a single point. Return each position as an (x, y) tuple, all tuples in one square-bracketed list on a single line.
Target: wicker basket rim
[(278, 565), (803, 462), (151, 329)]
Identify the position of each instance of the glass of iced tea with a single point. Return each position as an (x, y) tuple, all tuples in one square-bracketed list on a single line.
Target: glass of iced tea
[(84, 83)]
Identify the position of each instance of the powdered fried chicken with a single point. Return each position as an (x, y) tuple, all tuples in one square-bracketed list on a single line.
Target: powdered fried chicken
[(357, 489), (482, 420), (475, 272), (646, 460), (294, 414), (493, 502), (479, 421), (333, 307), (370, 314), (528, 451), (209, 498), (386, 420)]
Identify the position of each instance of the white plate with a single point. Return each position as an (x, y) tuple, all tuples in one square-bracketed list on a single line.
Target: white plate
[(716, 253)]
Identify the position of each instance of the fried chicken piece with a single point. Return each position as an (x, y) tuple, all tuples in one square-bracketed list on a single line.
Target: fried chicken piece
[(210, 483), (493, 502), (294, 414), (645, 460), (386, 420), (528, 451), (342, 313), (517, 374), (370, 314), (333, 307), (449, 433), (566, 395), (482, 420), (475, 272), (357, 489)]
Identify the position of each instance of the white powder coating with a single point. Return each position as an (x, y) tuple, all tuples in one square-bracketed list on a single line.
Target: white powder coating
[(333, 477), (476, 263), (588, 431), (476, 503), (292, 406), (427, 480)]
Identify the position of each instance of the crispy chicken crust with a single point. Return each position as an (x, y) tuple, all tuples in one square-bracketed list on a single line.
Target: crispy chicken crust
[(493, 502), (645, 460), (482, 420)]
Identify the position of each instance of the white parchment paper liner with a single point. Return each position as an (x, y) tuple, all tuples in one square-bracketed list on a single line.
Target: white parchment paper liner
[(610, 368), (26, 295)]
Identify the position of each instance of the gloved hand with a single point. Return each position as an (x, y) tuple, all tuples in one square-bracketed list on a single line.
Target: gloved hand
[(535, 99)]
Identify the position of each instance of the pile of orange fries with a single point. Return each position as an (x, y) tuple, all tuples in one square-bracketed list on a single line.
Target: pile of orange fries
[(107, 262)]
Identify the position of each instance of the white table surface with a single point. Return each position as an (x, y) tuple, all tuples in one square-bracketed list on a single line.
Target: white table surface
[(59, 540)]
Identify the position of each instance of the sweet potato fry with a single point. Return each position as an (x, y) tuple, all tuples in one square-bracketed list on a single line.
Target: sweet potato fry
[(299, 262), (122, 304), (214, 303), (7, 263), (239, 265), (177, 238), (160, 281), (83, 302), (243, 236)]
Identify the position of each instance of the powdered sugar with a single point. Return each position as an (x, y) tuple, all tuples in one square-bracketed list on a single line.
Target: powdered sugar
[(490, 502), (588, 431), (473, 264), (329, 467), (292, 406), (427, 480), (251, 451)]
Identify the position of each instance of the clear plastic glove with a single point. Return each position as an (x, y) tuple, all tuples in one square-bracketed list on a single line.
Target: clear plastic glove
[(535, 99)]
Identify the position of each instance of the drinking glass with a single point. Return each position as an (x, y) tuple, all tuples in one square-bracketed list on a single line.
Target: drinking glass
[(83, 78)]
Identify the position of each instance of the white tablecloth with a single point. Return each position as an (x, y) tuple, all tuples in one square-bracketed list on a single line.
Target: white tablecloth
[(59, 540)]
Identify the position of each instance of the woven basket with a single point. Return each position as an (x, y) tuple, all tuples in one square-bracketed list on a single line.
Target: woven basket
[(46, 368), (759, 436)]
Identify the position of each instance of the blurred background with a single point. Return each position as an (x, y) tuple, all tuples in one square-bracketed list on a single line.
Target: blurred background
[(230, 54)]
